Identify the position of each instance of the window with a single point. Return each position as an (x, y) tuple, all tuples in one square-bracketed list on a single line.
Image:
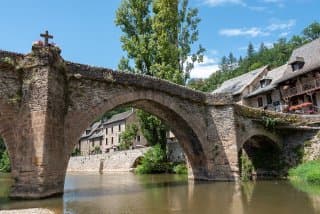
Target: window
[(92, 144), (106, 141), (269, 99), (100, 142), (118, 139), (138, 138), (112, 140), (119, 127), (111, 129), (107, 130), (260, 102), (297, 65)]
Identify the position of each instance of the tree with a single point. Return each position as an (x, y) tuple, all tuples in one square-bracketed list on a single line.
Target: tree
[(157, 37), (127, 137), (312, 32), (250, 51), (134, 19)]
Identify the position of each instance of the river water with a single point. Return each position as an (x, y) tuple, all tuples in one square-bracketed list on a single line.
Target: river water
[(153, 194)]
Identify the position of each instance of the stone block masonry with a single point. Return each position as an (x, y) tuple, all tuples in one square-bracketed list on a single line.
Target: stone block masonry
[(120, 161), (46, 103)]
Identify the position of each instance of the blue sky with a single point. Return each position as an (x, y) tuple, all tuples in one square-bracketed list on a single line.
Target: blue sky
[(86, 33)]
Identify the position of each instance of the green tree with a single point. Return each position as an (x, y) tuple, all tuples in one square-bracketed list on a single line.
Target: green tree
[(157, 38), (312, 32), (127, 137), (4, 158), (250, 51)]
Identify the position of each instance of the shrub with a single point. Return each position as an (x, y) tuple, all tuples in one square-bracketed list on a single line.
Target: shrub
[(5, 162), (180, 169), (308, 172), (153, 161)]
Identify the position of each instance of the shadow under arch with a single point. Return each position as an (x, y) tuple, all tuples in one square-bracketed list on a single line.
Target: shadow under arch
[(260, 158), (175, 120)]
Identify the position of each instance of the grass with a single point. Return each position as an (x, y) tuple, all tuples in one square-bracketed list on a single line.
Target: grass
[(308, 173)]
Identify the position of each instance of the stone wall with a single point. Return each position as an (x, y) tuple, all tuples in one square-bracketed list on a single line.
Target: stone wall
[(175, 152), (121, 161)]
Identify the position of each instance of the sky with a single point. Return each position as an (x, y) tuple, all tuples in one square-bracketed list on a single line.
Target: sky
[(86, 33)]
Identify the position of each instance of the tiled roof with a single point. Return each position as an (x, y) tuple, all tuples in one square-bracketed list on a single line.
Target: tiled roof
[(310, 53), (119, 117), (274, 75), (238, 84)]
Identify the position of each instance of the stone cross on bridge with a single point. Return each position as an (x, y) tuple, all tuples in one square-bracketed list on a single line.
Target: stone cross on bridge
[(46, 37)]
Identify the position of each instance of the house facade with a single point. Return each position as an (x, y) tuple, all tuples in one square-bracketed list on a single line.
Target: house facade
[(266, 95), (104, 136), (300, 85)]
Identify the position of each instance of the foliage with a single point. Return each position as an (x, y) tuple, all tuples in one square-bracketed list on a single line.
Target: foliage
[(270, 123), (275, 55), (4, 158), (127, 136), (152, 129), (5, 162), (153, 161), (76, 152), (246, 167), (157, 37), (308, 172), (2, 146), (96, 150), (180, 169)]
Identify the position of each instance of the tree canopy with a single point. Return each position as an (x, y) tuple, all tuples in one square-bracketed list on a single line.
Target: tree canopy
[(274, 55)]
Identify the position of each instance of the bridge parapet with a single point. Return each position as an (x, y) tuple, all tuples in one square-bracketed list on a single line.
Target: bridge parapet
[(282, 118)]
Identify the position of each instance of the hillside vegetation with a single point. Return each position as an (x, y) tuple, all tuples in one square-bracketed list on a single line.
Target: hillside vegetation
[(274, 56)]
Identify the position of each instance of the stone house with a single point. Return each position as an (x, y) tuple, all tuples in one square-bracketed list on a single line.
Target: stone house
[(104, 136), (243, 85), (267, 96), (300, 84)]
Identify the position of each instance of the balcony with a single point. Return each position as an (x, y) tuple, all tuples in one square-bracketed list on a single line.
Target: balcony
[(300, 89)]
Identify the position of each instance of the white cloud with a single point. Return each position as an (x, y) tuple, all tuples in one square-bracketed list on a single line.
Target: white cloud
[(258, 31), (215, 3), (282, 26), (252, 32), (204, 69)]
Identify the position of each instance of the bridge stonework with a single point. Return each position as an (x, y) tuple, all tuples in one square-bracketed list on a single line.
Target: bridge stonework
[(46, 103)]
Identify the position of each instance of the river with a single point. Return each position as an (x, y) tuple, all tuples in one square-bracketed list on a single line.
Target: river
[(153, 194)]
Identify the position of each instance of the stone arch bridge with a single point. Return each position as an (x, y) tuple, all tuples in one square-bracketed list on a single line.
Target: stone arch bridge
[(47, 102)]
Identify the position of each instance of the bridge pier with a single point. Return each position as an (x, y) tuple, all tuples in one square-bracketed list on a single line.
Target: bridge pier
[(40, 158)]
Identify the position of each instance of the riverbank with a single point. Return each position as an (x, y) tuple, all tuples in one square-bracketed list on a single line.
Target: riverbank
[(308, 172), (27, 211)]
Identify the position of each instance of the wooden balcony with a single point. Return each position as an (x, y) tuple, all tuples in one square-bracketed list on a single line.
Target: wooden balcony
[(300, 89)]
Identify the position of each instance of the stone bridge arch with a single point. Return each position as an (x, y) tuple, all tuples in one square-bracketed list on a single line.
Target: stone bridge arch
[(183, 116), (56, 100)]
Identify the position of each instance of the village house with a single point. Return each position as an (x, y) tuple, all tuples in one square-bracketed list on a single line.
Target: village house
[(242, 85), (267, 96), (104, 136), (300, 84), (293, 87)]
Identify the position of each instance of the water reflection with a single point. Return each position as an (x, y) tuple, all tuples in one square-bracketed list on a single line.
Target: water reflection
[(128, 193)]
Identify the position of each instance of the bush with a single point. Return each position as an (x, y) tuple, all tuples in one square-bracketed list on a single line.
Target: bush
[(308, 172), (180, 169), (153, 161), (5, 162)]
